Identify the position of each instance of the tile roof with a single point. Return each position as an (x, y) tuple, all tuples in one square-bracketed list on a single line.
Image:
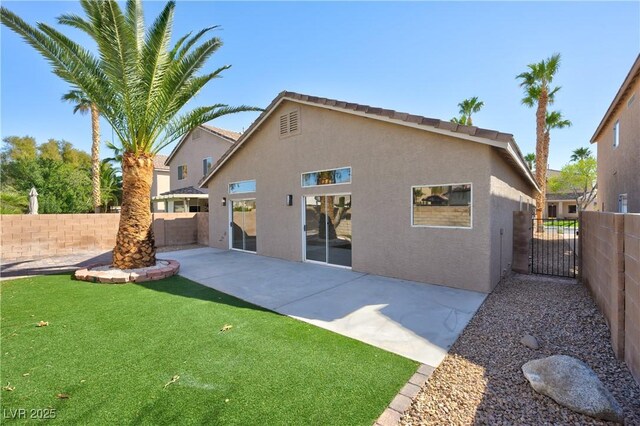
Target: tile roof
[(230, 134), (189, 190), (158, 162), (469, 132), (560, 196)]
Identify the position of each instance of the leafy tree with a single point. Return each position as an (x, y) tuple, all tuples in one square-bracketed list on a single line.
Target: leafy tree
[(82, 104), (17, 148), (12, 201), (530, 159), (538, 92), (73, 156), (578, 178), (50, 150), (580, 154), (140, 85), (110, 185), (468, 107)]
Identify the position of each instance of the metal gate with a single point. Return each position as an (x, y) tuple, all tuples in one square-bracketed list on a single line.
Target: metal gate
[(554, 245)]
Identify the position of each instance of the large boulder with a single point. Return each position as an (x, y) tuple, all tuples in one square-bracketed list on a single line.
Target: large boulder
[(571, 383)]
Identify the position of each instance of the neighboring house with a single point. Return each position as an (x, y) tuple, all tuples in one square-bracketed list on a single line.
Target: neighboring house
[(618, 143), (189, 162), (378, 191), (562, 205), (161, 182)]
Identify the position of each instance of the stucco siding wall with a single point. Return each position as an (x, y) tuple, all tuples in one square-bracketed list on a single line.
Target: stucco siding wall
[(509, 193), (618, 170), (191, 153), (386, 160)]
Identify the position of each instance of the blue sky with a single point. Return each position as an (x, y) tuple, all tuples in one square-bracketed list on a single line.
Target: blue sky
[(416, 57)]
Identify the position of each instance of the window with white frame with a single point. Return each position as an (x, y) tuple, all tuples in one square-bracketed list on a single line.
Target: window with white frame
[(182, 172), (326, 177), (206, 165), (242, 186), (622, 203), (446, 205), (616, 134)]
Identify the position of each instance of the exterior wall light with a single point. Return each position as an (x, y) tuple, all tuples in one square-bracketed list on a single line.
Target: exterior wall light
[(289, 200), (224, 201)]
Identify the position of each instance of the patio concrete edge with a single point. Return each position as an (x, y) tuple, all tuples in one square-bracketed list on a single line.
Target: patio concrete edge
[(402, 401)]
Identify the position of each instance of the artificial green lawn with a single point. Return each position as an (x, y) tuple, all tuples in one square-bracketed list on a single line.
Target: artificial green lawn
[(112, 349)]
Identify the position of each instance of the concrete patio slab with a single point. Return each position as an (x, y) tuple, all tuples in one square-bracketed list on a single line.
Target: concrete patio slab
[(418, 321)]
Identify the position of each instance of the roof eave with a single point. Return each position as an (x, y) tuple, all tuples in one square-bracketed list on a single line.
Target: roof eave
[(633, 74)]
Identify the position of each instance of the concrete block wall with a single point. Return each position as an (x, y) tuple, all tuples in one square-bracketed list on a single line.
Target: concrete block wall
[(632, 293), (610, 268), (46, 235)]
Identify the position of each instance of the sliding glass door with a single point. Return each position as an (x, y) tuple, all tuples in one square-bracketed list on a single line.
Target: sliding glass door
[(328, 229), (243, 225)]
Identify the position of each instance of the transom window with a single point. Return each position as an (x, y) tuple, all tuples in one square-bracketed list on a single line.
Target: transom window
[(242, 186), (206, 165), (182, 172), (327, 177), (441, 205)]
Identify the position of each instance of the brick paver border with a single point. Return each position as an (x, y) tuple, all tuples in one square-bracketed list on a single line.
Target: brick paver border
[(393, 413)]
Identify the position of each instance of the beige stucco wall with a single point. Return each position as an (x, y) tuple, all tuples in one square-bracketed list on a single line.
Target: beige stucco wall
[(619, 168), (509, 193), (191, 153), (160, 184), (386, 160)]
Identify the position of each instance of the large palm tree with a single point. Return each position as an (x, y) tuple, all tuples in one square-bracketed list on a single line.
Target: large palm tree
[(538, 92), (82, 104), (580, 154), (140, 84)]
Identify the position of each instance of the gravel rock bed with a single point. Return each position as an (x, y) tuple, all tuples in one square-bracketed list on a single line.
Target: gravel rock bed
[(481, 381)]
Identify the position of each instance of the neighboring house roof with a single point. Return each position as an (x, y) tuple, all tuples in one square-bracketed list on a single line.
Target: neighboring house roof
[(158, 162), (227, 135), (189, 190), (634, 74), (472, 133)]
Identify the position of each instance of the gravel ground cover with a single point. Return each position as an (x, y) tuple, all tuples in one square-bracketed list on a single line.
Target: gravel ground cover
[(481, 382)]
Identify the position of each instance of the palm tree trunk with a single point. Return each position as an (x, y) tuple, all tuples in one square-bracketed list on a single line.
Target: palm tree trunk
[(95, 157), (542, 154), (135, 245)]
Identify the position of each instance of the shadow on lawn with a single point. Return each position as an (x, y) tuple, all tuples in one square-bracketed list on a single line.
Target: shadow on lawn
[(183, 287)]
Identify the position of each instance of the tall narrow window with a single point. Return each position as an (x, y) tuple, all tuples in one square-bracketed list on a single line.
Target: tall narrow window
[(622, 203), (442, 205), (182, 172), (206, 165), (616, 134)]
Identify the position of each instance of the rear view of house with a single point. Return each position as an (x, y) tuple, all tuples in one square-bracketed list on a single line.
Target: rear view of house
[(381, 192)]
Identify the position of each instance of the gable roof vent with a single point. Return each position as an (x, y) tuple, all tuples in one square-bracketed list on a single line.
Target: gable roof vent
[(290, 123)]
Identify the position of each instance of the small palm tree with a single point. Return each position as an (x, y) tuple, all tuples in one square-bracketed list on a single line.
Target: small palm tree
[(110, 184), (538, 92), (140, 84), (468, 107), (82, 104), (530, 159), (580, 154)]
